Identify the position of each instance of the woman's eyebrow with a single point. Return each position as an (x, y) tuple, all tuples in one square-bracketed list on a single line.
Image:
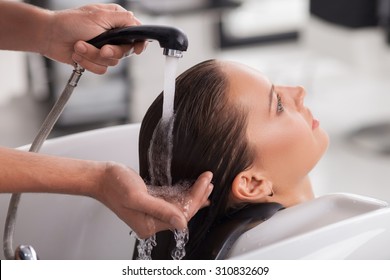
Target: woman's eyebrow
[(271, 93)]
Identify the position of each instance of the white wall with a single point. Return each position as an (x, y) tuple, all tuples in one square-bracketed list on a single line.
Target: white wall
[(12, 75)]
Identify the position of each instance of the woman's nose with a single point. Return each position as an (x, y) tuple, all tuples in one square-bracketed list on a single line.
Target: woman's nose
[(299, 94)]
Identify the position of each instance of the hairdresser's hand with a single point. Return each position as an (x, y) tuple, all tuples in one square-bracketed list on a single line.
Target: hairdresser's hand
[(71, 28), (124, 192)]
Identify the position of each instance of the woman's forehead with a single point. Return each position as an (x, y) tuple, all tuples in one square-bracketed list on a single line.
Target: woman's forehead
[(246, 82), (237, 72)]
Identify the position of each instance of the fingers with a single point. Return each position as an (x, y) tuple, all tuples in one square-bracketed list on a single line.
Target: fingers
[(161, 210), (89, 65), (199, 194), (149, 226), (115, 52), (144, 225), (111, 7), (139, 47), (97, 61), (107, 16), (158, 214), (89, 58), (117, 16), (169, 213)]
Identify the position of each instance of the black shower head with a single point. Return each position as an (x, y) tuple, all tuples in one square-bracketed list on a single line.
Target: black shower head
[(171, 39)]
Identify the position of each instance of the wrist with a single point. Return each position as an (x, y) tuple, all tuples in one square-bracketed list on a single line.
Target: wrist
[(105, 177), (45, 34), (94, 180)]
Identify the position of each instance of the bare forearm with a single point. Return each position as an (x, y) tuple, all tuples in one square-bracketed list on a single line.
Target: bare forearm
[(23, 27), (119, 188), (31, 172)]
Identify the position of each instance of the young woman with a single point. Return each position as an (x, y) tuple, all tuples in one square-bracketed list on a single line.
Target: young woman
[(258, 139)]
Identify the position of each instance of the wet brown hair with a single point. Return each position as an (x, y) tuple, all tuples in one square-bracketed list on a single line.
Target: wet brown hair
[(209, 134)]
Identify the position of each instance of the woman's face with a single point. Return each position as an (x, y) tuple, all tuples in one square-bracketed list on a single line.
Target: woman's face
[(287, 139)]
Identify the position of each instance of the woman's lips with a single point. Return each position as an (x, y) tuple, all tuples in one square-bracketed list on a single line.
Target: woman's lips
[(315, 123)]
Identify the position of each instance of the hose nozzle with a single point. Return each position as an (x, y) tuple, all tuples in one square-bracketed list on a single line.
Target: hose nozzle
[(172, 40), (25, 252)]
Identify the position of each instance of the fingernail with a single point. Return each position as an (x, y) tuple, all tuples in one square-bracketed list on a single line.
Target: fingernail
[(210, 188), (209, 176)]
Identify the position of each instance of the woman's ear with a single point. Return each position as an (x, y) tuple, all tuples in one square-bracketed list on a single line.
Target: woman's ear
[(251, 187)]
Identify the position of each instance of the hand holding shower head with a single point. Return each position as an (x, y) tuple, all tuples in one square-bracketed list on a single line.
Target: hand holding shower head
[(171, 39)]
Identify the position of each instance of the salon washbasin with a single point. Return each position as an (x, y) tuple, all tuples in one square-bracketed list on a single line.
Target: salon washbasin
[(334, 226)]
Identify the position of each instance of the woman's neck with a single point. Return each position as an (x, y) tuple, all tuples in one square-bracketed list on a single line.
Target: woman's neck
[(294, 194)]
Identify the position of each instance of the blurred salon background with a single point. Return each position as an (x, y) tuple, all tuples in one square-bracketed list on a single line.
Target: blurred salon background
[(339, 50)]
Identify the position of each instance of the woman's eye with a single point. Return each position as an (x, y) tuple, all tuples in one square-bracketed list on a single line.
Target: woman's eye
[(279, 107)]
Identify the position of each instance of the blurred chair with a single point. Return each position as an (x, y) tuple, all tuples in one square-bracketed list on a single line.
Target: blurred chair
[(384, 17), (348, 13)]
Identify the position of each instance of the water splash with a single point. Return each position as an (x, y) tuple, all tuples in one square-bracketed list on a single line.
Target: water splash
[(176, 194), (181, 237), (144, 246)]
